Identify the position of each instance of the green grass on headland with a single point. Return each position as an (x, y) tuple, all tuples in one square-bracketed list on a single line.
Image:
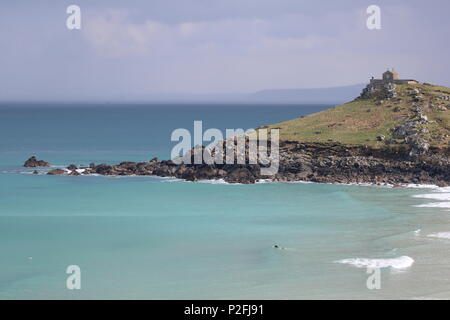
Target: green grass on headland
[(359, 122)]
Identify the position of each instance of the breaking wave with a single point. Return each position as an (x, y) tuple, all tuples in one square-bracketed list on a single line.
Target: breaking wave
[(396, 263), (440, 235)]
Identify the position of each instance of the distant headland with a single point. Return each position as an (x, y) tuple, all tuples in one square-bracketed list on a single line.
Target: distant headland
[(397, 132)]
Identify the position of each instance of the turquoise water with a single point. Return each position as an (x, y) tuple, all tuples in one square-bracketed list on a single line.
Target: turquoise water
[(153, 238)]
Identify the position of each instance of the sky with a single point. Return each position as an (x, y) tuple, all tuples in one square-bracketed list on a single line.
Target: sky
[(138, 49)]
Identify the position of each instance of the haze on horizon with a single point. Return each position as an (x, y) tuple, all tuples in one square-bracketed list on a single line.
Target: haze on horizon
[(136, 50)]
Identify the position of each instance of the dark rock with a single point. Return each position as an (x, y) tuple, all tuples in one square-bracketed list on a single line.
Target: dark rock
[(56, 172), (419, 147), (33, 163), (410, 161), (72, 167), (390, 141), (390, 90), (409, 128), (240, 175), (103, 169), (418, 98)]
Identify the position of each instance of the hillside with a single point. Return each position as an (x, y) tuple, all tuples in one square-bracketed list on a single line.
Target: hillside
[(409, 112)]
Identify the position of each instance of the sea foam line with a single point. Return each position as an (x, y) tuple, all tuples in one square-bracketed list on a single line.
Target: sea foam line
[(434, 205), (435, 196), (402, 262), (428, 186), (440, 235)]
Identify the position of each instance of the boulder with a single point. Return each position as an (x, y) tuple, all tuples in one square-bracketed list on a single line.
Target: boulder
[(391, 141), (103, 169), (408, 128), (418, 98), (33, 163), (423, 118), (390, 90), (72, 167), (56, 172), (418, 147), (128, 166), (415, 91), (240, 175)]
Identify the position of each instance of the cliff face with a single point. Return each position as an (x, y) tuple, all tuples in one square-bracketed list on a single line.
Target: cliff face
[(335, 163)]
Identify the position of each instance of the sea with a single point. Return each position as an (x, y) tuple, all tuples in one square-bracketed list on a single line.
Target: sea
[(164, 238)]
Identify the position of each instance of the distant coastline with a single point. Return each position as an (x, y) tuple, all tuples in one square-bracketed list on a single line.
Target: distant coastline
[(331, 95)]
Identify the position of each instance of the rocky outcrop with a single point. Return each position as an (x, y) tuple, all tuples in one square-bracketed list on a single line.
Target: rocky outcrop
[(33, 162), (316, 162), (386, 92), (389, 91), (367, 92), (419, 146)]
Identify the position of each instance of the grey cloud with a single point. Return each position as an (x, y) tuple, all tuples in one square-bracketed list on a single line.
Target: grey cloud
[(134, 49)]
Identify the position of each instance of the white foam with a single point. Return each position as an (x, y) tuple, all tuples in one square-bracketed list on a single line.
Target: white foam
[(435, 196), (299, 181), (422, 186), (265, 181), (441, 235), (440, 194), (173, 180), (428, 186), (218, 181), (366, 184), (396, 263), (23, 172), (434, 205)]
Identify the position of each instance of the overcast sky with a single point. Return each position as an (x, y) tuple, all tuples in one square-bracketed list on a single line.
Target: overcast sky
[(132, 49)]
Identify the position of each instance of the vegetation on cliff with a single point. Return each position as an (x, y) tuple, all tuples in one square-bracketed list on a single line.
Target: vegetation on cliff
[(375, 120)]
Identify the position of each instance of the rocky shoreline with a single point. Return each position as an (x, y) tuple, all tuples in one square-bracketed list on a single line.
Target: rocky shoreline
[(309, 162)]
